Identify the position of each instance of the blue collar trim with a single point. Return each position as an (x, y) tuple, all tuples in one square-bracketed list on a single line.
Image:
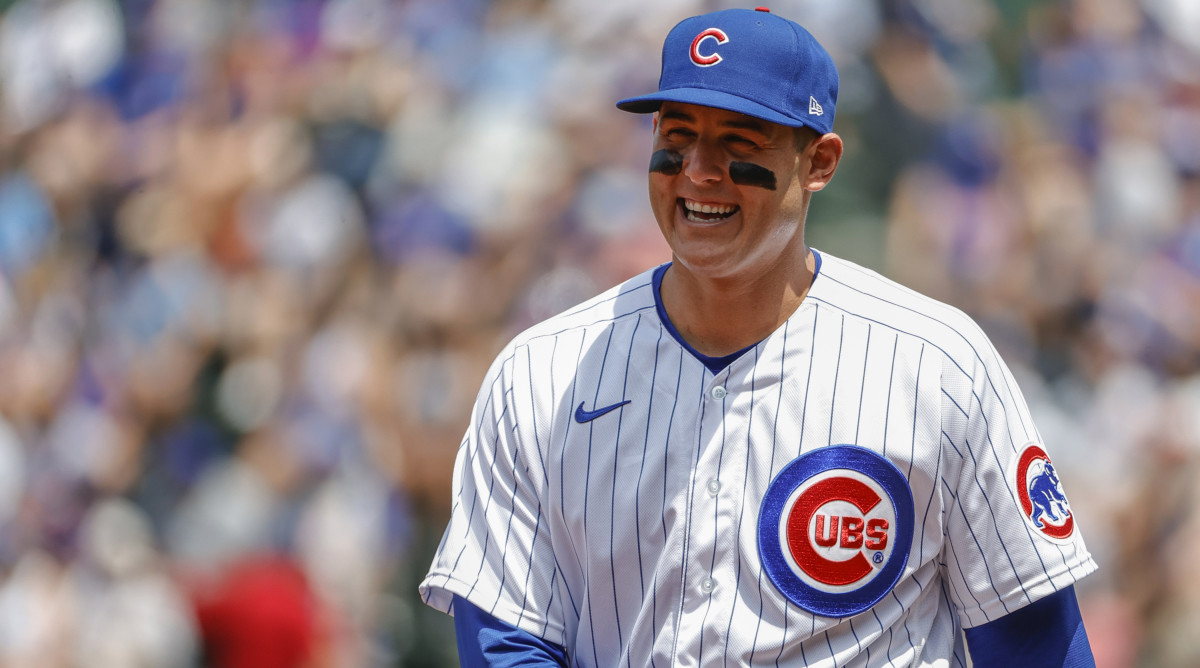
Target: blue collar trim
[(714, 364)]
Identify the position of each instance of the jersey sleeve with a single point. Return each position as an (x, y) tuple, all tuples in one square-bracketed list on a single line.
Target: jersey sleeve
[(496, 551), (1048, 632), (486, 642), (1011, 536)]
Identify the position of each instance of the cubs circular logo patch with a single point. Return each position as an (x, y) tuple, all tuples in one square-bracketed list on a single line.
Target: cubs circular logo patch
[(835, 530), (1041, 494)]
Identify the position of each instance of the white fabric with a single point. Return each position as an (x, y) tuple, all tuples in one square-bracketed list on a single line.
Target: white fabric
[(604, 536)]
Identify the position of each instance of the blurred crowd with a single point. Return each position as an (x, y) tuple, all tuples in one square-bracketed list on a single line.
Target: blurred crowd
[(256, 255)]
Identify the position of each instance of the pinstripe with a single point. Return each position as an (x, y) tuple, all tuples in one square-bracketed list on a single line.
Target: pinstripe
[(886, 418), (960, 408), (976, 539), (887, 409), (807, 385), (508, 526), (882, 629), (745, 481), (913, 448), (774, 443), (529, 568), (803, 421), (486, 505), (587, 483), (612, 513), (637, 497), (862, 386), (546, 481), (474, 500), (950, 545), (687, 522), (716, 529), (837, 372), (800, 448), (550, 601), (663, 515), (937, 471), (562, 488)]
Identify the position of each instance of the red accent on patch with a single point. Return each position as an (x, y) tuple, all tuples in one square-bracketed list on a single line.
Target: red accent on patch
[(762, 9), (800, 543), (1031, 454), (714, 58), (877, 536), (827, 539)]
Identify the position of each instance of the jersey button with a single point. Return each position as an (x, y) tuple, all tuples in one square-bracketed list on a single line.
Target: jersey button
[(714, 486), (719, 392), (707, 585)]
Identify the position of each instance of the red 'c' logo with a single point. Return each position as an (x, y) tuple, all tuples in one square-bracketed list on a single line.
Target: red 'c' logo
[(714, 57)]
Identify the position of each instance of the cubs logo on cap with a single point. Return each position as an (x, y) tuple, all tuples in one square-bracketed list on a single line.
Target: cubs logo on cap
[(715, 34), (835, 530), (1040, 492), (750, 62)]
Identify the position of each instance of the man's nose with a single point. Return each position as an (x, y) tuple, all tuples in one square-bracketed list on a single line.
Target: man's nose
[(704, 163)]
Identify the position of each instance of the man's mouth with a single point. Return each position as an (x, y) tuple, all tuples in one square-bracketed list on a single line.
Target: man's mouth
[(706, 213)]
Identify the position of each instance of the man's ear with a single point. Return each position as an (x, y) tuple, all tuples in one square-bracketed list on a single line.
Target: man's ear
[(824, 153), (654, 123)]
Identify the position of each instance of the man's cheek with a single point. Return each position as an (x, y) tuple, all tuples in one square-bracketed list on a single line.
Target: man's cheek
[(750, 174), (666, 161)]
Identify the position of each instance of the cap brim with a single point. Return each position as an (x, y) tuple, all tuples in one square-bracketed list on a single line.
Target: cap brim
[(645, 104)]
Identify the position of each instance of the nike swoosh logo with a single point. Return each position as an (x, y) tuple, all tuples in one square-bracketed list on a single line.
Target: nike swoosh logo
[(582, 416)]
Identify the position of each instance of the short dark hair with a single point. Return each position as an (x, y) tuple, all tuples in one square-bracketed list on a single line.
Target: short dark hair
[(803, 136)]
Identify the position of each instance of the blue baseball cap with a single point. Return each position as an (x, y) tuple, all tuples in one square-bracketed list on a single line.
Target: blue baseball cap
[(749, 61)]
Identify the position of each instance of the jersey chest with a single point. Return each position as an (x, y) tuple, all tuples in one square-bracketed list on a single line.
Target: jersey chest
[(658, 468)]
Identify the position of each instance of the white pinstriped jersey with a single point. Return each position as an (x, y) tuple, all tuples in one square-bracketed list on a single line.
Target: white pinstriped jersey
[(637, 537)]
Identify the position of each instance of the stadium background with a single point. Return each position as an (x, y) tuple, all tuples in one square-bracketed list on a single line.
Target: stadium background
[(256, 256)]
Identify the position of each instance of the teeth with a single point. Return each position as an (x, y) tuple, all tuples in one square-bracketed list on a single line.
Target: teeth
[(719, 209)]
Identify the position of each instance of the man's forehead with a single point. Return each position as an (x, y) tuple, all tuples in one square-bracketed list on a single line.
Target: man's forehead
[(694, 113)]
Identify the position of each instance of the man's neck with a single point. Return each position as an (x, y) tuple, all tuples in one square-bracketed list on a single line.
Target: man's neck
[(719, 317)]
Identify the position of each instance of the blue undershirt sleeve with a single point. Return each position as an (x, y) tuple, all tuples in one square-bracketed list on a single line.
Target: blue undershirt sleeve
[(1046, 633), (487, 642)]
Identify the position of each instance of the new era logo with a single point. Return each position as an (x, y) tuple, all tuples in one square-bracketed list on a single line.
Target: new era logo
[(814, 108)]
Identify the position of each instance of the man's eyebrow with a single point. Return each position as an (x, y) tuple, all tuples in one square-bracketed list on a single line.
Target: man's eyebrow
[(677, 116), (746, 124), (737, 123)]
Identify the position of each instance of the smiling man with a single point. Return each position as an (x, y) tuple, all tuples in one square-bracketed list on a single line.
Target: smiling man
[(757, 453)]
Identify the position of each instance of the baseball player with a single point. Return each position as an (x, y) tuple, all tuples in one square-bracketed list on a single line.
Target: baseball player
[(758, 453)]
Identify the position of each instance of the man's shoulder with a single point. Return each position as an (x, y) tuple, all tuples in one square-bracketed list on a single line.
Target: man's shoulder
[(864, 293), (630, 298)]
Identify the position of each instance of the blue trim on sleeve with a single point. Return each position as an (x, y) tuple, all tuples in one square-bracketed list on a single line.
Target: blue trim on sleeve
[(1046, 633), (487, 642)]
